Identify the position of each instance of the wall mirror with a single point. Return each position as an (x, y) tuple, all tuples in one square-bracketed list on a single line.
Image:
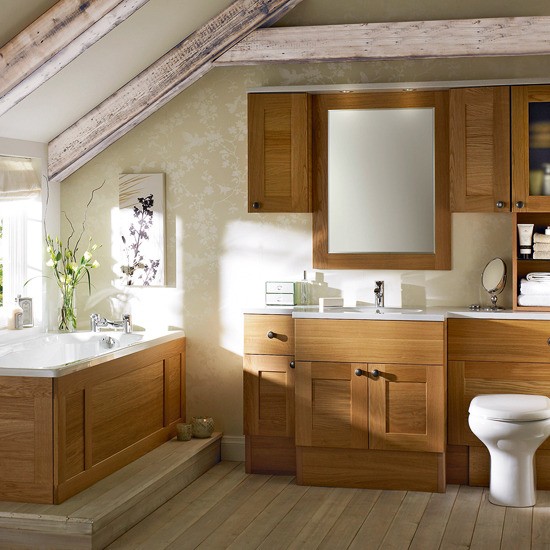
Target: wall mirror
[(381, 181)]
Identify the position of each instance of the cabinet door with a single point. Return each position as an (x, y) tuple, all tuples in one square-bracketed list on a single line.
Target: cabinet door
[(407, 408), (530, 148), (268, 395), (331, 405), (470, 378), (479, 133), (279, 152)]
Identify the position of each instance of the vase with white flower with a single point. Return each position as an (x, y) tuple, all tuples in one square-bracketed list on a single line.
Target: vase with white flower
[(69, 269)]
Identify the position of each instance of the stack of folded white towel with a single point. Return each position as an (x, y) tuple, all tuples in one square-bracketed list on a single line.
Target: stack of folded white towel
[(541, 246), (534, 290)]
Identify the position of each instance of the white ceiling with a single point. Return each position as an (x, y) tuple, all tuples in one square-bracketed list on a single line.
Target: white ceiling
[(102, 69)]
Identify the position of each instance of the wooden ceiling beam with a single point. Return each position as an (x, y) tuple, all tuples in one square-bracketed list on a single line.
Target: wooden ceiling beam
[(57, 37), (506, 36), (157, 84)]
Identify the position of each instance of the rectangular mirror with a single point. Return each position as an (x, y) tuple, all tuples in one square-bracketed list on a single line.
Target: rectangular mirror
[(381, 181)]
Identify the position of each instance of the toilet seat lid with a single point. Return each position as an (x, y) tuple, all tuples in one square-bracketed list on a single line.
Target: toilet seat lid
[(505, 406)]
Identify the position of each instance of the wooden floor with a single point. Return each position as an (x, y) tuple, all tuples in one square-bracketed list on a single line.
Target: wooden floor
[(226, 508)]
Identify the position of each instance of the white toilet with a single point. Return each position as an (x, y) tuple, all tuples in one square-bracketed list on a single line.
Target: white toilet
[(512, 427)]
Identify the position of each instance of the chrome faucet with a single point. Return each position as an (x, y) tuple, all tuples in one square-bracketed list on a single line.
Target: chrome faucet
[(379, 294), (97, 322)]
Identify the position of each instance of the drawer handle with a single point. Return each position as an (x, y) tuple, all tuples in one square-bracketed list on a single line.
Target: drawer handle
[(359, 372), (375, 373), (271, 335), (292, 364)]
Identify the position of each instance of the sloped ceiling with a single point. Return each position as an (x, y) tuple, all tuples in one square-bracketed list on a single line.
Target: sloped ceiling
[(102, 69)]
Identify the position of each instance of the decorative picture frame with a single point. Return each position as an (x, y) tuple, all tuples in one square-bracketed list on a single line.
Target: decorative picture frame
[(142, 229)]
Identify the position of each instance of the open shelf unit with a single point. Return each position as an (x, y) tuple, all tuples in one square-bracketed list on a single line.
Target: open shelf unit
[(521, 267)]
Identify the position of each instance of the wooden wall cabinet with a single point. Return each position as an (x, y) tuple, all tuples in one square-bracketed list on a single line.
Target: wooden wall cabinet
[(530, 147), (479, 136), (268, 389), (488, 357), (279, 152)]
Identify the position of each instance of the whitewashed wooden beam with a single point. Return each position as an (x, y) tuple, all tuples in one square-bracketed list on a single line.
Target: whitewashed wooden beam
[(159, 83), (507, 36), (52, 41)]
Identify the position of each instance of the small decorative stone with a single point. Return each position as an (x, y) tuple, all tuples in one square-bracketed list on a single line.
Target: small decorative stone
[(184, 432), (203, 426)]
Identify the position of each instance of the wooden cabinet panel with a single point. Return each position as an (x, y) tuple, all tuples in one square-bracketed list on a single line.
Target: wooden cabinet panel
[(468, 379), (407, 408), (279, 150), (479, 133), (331, 405), (268, 396), (370, 341), (174, 389), (498, 340), (257, 341)]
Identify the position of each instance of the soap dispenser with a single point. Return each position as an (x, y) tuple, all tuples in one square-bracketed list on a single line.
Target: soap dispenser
[(15, 318), (302, 291)]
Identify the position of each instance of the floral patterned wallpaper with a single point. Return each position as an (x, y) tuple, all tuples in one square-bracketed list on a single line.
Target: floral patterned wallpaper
[(218, 255)]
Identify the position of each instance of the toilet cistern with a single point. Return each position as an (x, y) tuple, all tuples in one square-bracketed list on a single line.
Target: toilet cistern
[(379, 294)]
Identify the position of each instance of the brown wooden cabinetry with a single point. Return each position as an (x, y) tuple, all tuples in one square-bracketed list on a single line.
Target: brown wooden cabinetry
[(269, 394), (479, 135), (390, 413), (488, 357), (279, 151)]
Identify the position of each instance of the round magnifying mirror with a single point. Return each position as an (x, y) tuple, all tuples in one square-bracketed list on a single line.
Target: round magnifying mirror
[(493, 279)]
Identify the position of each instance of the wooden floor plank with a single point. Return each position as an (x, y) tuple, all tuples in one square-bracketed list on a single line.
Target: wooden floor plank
[(489, 525), (200, 529), (264, 523), (434, 520), (233, 526), (405, 523), (517, 528), (315, 530), (374, 529), (166, 523), (352, 517), (461, 524), (541, 522)]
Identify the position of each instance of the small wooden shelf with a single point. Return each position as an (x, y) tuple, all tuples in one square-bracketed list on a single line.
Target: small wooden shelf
[(522, 266)]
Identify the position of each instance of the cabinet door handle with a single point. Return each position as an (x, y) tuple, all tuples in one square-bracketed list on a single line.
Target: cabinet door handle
[(271, 335), (292, 364), (500, 204), (375, 373), (359, 372), (520, 204), (256, 205)]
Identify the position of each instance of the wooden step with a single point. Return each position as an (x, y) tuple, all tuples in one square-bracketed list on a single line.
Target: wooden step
[(100, 514)]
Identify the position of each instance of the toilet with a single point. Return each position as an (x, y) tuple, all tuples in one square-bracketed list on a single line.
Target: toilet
[(512, 427)]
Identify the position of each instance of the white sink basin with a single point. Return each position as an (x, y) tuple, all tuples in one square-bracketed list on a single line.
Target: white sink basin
[(374, 310)]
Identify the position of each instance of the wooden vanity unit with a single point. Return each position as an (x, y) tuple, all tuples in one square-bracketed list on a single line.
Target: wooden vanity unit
[(369, 401), (61, 435), (488, 356)]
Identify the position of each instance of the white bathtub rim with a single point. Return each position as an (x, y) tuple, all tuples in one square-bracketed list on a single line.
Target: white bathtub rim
[(150, 338)]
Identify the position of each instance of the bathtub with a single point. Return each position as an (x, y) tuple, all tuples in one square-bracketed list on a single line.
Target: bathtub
[(76, 407), (52, 355)]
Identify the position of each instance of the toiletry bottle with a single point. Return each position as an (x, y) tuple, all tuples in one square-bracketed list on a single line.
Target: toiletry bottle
[(301, 291), (15, 318), (546, 179)]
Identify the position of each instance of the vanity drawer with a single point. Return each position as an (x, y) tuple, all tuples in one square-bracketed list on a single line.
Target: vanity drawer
[(257, 328), (498, 340), (370, 341)]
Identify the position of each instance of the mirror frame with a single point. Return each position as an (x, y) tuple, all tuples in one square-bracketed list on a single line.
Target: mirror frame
[(441, 257)]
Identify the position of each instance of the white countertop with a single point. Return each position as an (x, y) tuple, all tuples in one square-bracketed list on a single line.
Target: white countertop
[(394, 314)]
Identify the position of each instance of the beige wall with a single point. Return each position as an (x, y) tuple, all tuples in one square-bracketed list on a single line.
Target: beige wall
[(219, 257)]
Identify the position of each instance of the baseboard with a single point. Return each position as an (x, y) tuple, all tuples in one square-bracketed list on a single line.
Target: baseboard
[(233, 448)]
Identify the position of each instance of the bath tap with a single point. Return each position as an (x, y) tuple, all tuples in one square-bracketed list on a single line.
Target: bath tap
[(379, 294), (97, 322)]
